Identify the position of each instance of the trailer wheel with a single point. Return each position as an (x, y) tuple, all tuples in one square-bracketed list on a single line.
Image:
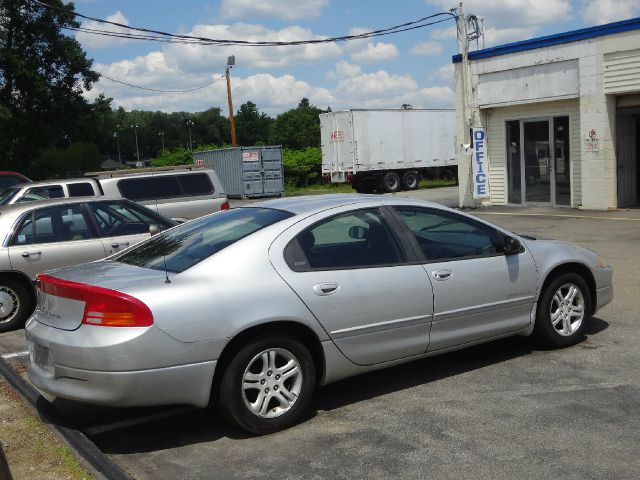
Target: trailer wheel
[(390, 182), (410, 180)]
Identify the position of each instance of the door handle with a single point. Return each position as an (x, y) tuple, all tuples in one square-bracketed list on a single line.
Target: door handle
[(28, 254), (116, 245), (324, 289), (442, 274)]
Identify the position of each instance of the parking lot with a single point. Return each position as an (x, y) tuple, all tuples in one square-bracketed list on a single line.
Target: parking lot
[(501, 410)]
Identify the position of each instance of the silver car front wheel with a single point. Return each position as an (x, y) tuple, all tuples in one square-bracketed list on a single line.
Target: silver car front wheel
[(268, 383), (563, 310)]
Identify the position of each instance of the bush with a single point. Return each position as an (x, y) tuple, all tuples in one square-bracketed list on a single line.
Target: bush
[(302, 167)]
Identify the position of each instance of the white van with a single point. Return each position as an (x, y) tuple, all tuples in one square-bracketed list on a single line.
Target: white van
[(178, 193)]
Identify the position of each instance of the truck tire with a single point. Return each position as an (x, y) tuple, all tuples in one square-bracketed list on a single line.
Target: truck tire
[(390, 182), (410, 180)]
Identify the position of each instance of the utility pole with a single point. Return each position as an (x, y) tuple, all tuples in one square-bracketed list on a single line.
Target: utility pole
[(117, 137), (135, 129), (231, 61), (161, 135), (189, 124)]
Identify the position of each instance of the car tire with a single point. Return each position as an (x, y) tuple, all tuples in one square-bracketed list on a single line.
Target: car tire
[(16, 304), (251, 392), (390, 182), (410, 180), (563, 310)]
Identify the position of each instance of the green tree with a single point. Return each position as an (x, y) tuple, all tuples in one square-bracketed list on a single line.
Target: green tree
[(297, 128), (252, 126), (302, 167), (42, 76), (66, 161)]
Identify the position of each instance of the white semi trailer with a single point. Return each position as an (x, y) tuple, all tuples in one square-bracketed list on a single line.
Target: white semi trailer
[(388, 150)]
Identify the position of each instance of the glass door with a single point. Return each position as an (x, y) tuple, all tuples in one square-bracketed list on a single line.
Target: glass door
[(537, 160)]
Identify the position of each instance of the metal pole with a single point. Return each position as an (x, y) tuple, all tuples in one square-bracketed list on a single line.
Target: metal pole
[(231, 121), (135, 130), (189, 124)]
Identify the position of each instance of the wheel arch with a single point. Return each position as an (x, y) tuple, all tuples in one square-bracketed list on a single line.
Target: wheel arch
[(572, 267), (21, 278), (298, 330)]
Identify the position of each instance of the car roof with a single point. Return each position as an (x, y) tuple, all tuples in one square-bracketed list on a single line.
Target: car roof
[(44, 183), (18, 208), (315, 203)]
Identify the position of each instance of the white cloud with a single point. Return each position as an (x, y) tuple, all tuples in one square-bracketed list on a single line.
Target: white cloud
[(201, 58), (380, 83), (427, 48), (605, 11), (89, 40), (444, 33), (445, 72), (376, 52), (344, 69), (438, 96), (499, 36), (284, 9), (511, 13)]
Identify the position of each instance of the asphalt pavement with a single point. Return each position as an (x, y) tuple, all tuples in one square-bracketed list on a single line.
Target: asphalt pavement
[(504, 409)]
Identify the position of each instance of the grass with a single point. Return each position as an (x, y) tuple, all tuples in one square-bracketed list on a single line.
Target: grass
[(318, 189)]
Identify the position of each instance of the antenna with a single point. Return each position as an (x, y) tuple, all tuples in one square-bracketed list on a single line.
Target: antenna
[(164, 256)]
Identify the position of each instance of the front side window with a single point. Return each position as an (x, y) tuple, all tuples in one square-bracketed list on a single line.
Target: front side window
[(444, 236), (116, 219), (359, 239), (55, 224), (188, 244)]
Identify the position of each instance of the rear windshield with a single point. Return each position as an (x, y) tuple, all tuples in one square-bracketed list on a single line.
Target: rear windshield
[(185, 245), (7, 195)]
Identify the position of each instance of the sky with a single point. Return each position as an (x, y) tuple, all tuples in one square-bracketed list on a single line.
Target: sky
[(411, 67)]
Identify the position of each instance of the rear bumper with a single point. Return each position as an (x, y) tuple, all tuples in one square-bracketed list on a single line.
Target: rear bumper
[(184, 384)]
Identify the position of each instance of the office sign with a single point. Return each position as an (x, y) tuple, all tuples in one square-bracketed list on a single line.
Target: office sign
[(479, 164)]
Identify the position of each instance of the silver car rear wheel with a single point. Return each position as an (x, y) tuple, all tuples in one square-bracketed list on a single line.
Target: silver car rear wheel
[(9, 304), (272, 382), (267, 384)]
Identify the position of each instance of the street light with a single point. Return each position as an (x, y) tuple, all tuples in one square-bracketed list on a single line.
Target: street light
[(161, 134), (190, 124), (231, 61), (135, 129), (68, 138), (117, 137)]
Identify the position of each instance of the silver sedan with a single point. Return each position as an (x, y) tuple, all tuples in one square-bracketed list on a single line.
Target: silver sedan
[(253, 308)]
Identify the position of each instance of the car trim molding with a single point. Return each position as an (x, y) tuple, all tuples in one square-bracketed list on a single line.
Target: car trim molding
[(372, 327), (483, 308)]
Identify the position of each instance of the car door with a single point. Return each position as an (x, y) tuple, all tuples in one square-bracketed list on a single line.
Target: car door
[(53, 237), (121, 224), (479, 292), (355, 275)]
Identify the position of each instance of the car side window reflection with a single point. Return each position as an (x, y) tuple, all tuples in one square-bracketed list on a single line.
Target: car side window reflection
[(50, 225), (116, 219), (446, 236), (359, 239)]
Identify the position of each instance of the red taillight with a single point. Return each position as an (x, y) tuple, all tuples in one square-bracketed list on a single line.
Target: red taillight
[(103, 307), (225, 206)]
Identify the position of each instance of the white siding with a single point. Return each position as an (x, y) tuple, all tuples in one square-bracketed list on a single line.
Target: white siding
[(622, 72), (495, 120)]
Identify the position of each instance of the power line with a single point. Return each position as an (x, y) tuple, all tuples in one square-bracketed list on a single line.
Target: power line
[(160, 36), (161, 91)]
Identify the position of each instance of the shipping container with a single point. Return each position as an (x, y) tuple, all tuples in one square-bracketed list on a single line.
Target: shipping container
[(246, 172), (388, 150)]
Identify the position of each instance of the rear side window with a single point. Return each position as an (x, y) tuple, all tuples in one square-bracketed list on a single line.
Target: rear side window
[(55, 224), (165, 186), (80, 189), (190, 243)]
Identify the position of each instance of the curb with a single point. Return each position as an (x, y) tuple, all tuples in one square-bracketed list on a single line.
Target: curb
[(98, 464)]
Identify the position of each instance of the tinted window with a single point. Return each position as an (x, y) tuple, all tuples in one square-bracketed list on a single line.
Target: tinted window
[(165, 186), (9, 181), (447, 236), (196, 184), (80, 189), (190, 243), (55, 224), (117, 218), (41, 193), (351, 240)]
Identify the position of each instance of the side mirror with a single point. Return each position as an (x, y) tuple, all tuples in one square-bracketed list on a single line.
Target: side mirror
[(512, 246), (154, 229), (357, 232)]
